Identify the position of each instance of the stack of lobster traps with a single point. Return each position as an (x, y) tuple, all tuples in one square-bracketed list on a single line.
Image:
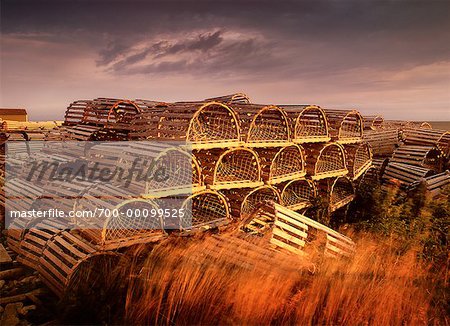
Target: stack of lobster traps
[(229, 164)]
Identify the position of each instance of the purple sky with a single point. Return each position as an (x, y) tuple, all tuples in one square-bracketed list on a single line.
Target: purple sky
[(380, 57)]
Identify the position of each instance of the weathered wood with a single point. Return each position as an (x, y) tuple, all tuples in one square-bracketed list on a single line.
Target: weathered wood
[(382, 142), (426, 156), (404, 174), (426, 137)]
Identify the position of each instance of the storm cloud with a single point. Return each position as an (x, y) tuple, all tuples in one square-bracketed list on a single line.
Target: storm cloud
[(391, 57)]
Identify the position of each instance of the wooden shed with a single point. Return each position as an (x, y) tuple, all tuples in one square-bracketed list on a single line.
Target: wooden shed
[(14, 114)]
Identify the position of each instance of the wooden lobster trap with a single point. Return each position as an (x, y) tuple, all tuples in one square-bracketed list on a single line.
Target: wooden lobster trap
[(107, 112), (426, 156), (245, 202), (342, 193), (69, 262), (203, 125), (298, 194), (112, 218), (293, 232), (35, 238), (279, 165), (179, 170), (433, 183), (426, 137), (345, 126), (19, 195), (369, 180), (75, 112), (263, 126), (382, 142), (325, 161), (204, 210), (373, 122), (233, 168), (309, 123), (358, 159), (237, 98), (404, 174)]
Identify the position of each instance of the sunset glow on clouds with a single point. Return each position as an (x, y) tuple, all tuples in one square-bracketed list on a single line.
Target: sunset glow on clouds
[(388, 57)]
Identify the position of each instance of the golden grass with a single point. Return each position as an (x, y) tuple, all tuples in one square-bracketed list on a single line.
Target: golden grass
[(193, 282)]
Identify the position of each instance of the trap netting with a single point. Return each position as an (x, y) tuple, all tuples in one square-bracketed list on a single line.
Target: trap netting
[(310, 124), (287, 164), (233, 168), (298, 194), (345, 126), (269, 126), (108, 215), (256, 197), (359, 159), (426, 156), (329, 161), (205, 209), (134, 218), (342, 193), (204, 125)]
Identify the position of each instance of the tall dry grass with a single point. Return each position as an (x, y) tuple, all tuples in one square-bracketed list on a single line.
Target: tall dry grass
[(195, 282)]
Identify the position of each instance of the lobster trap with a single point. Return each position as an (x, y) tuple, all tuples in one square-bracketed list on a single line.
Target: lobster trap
[(237, 98), (204, 210), (429, 157), (263, 126), (404, 175), (203, 125), (426, 137), (68, 262), (298, 194), (341, 193), (325, 161), (373, 122), (309, 123), (382, 142), (233, 168), (125, 220), (279, 165), (345, 126), (245, 202), (105, 112), (358, 159), (35, 239)]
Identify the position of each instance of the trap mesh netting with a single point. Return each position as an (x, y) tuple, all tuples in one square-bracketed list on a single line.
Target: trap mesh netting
[(331, 158), (342, 192), (298, 194)]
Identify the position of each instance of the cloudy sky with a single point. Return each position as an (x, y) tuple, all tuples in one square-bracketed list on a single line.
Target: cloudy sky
[(387, 57)]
